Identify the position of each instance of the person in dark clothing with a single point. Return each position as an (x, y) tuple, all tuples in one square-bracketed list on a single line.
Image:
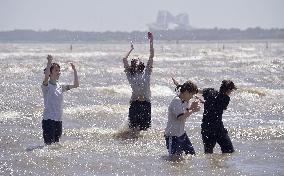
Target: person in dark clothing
[(212, 127)]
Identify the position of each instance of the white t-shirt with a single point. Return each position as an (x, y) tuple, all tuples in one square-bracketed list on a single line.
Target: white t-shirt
[(53, 98), (140, 84), (175, 126)]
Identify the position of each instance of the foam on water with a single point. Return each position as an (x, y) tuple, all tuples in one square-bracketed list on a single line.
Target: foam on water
[(96, 139), (9, 115), (108, 109)]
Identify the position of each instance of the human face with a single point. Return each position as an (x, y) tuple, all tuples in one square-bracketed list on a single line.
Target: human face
[(187, 95), (55, 73)]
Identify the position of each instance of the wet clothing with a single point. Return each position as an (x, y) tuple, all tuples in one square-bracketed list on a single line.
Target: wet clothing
[(140, 102), (212, 128), (53, 110), (222, 138), (176, 138), (140, 115), (52, 131), (175, 126), (177, 145), (53, 99), (140, 84)]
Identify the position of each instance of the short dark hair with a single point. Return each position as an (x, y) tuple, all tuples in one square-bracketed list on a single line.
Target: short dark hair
[(188, 86), (139, 67), (52, 67), (227, 85)]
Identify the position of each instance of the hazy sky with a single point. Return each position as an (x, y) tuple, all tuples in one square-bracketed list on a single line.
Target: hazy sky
[(128, 15)]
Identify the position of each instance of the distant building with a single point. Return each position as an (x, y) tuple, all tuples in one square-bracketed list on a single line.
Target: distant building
[(166, 21)]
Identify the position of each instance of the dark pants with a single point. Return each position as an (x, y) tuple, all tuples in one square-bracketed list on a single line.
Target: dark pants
[(176, 145), (210, 138), (52, 131), (140, 115)]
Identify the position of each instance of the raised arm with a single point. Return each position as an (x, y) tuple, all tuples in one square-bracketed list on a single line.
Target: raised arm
[(125, 62), (175, 81), (47, 70), (76, 80), (151, 39)]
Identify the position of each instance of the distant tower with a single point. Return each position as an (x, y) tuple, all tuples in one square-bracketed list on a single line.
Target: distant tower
[(165, 21)]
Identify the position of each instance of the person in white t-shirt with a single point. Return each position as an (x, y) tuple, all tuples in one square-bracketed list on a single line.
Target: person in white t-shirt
[(138, 76), (53, 99), (179, 110)]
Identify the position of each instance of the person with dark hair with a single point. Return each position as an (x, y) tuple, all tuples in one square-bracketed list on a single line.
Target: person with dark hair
[(53, 99), (212, 127), (138, 76), (179, 110)]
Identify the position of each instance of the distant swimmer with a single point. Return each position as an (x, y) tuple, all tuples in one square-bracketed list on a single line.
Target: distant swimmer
[(266, 45), (71, 47), (138, 76), (179, 111), (53, 98)]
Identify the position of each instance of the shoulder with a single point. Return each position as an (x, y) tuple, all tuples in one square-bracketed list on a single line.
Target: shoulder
[(208, 92), (176, 101)]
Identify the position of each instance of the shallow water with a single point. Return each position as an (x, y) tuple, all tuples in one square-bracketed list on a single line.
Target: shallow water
[(95, 115)]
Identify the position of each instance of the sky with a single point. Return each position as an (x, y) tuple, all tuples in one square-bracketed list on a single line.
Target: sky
[(130, 15)]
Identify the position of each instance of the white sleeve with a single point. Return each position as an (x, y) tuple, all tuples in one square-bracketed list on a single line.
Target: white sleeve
[(44, 89), (177, 107)]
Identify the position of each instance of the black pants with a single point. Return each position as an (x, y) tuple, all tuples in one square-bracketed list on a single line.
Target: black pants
[(210, 138), (52, 131), (140, 115)]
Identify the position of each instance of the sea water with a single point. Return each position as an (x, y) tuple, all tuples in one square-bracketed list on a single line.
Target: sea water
[(95, 115)]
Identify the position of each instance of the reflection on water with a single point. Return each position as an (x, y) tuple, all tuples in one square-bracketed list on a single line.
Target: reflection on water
[(95, 138)]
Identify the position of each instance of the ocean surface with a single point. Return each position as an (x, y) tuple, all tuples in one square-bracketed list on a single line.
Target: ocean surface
[(95, 114)]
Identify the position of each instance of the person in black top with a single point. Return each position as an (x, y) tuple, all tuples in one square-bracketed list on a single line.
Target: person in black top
[(212, 127)]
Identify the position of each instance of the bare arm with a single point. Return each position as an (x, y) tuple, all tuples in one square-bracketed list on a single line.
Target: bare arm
[(194, 107), (175, 81), (47, 70), (125, 62), (76, 80), (150, 61)]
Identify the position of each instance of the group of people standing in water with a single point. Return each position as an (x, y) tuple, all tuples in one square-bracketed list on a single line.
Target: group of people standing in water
[(139, 118)]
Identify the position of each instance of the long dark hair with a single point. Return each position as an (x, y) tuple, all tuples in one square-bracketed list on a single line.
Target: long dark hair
[(136, 68), (227, 85)]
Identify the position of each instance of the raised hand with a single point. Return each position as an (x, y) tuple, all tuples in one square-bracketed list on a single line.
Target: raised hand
[(131, 45), (175, 82), (49, 59), (150, 36), (73, 66)]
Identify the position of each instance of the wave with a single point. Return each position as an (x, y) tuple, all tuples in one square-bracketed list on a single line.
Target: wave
[(56, 54), (125, 90), (272, 132), (9, 115), (99, 109)]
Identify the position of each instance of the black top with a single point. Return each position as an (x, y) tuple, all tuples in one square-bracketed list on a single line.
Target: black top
[(215, 104)]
